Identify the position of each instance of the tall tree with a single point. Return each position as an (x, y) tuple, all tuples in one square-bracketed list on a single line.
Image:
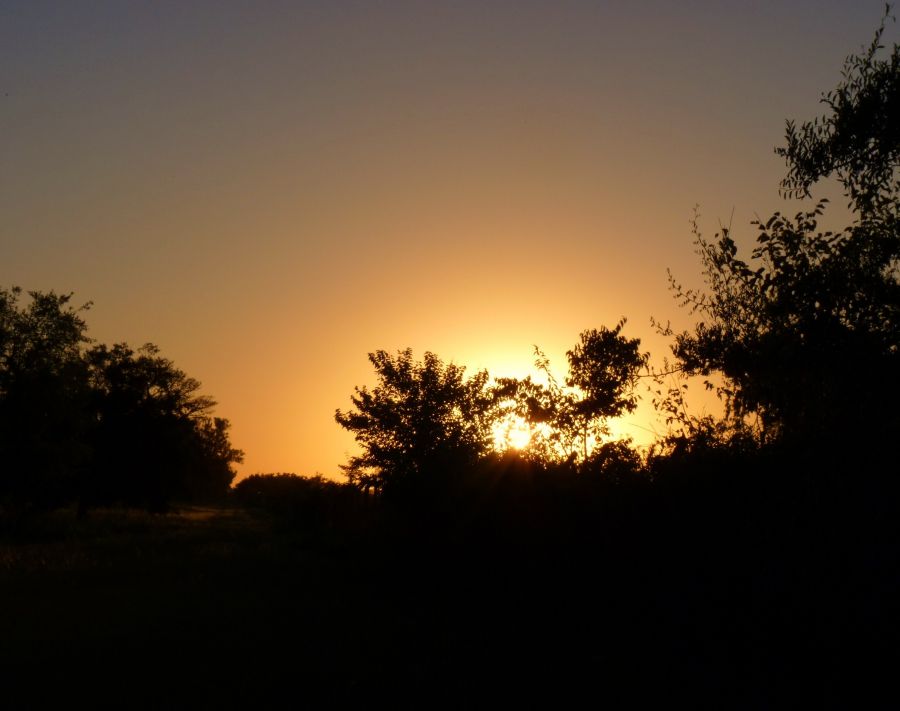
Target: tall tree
[(798, 330)]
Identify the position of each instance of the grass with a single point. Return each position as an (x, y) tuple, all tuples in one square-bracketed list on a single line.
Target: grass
[(222, 607)]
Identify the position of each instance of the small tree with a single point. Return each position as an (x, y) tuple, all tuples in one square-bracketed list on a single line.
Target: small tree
[(604, 367), (423, 418)]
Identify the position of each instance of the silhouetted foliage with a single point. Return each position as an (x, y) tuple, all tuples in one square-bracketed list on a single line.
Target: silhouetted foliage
[(99, 425), (603, 371), (423, 420), (616, 462), (604, 366), (209, 473), (858, 140), (795, 331), (43, 397), (307, 502), (154, 439), (789, 335)]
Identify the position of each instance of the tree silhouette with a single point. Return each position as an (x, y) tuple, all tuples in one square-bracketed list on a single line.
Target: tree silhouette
[(604, 366), (98, 425), (43, 397), (858, 140), (210, 470), (796, 331), (603, 370), (154, 438), (789, 334), (423, 419)]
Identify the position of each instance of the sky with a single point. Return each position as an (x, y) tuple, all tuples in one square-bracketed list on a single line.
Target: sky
[(269, 191)]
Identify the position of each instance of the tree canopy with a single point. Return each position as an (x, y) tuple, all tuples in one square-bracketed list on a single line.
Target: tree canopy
[(425, 420), (99, 424), (794, 329), (569, 422), (155, 438), (858, 139), (422, 418), (43, 396)]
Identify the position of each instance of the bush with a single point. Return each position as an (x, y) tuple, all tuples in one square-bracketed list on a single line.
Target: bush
[(310, 502)]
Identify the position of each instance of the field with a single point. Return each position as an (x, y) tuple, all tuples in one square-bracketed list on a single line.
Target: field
[(223, 607)]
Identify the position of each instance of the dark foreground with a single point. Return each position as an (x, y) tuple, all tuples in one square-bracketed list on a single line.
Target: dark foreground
[(221, 607)]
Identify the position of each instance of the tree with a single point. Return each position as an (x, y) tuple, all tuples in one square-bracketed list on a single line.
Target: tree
[(797, 331), (604, 367), (793, 335), (211, 469), (154, 438), (424, 419), (101, 424), (43, 397), (858, 140)]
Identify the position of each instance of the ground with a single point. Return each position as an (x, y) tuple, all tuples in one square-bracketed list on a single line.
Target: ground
[(221, 607)]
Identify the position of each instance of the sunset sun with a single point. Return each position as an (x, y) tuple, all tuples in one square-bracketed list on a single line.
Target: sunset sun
[(512, 432)]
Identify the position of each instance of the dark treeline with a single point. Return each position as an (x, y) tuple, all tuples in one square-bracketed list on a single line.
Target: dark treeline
[(750, 560), (95, 424)]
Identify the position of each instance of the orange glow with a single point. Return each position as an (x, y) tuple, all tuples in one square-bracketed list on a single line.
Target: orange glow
[(466, 178), (513, 432)]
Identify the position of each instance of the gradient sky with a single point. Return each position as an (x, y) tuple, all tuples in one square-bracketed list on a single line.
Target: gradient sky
[(271, 190)]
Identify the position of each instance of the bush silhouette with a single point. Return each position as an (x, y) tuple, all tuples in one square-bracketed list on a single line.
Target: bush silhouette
[(307, 502)]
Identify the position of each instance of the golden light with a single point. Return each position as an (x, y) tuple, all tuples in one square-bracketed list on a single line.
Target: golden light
[(512, 432)]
